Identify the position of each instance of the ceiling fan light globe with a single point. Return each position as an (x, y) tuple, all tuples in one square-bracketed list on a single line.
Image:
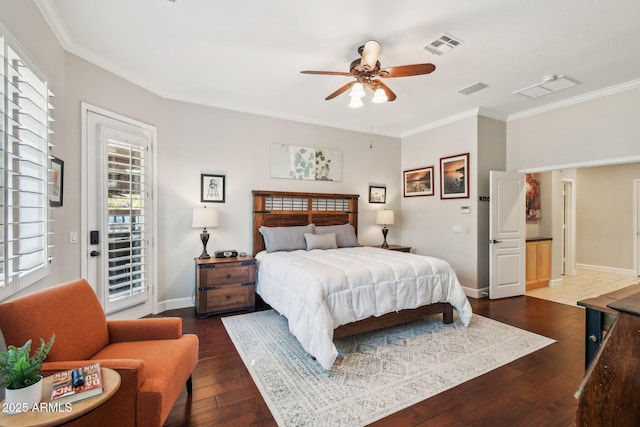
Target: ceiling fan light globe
[(356, 103), (357, 91), (379, 97)]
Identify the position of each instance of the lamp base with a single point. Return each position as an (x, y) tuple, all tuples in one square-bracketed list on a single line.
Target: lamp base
[(204, 238), (384, 244)]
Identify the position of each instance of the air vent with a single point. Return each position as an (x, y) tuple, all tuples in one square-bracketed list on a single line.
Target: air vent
[(472, 88), (549, 84), (443, 44)]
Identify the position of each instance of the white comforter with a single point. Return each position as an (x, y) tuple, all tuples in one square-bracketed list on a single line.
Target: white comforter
[(320, 290)]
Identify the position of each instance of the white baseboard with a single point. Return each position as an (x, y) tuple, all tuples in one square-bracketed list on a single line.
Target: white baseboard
[(476, 293), (622, 271), (555, 282), (174, 304)]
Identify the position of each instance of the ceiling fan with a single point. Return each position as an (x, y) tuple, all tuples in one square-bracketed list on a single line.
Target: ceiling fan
[(367, 72)]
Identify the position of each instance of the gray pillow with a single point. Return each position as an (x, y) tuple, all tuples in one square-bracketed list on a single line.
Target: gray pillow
[(345, 234), (320, 241), (285, 238)]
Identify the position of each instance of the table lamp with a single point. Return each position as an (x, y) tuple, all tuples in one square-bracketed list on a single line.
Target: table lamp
[(203, 218), (384, 218)]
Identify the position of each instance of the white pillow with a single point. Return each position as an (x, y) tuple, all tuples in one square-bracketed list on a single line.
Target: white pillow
[(320, 241)]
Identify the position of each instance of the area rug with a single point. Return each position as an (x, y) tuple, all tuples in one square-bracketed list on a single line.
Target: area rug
[(377, 373)]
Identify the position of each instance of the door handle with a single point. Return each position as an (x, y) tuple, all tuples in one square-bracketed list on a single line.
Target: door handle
[(94, 253), (494, 241)]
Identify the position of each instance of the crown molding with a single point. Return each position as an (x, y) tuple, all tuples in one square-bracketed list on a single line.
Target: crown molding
[(596, 94), (53, 18)]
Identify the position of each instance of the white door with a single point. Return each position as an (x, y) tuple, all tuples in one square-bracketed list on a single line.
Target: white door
[(118, 212), (506, 235)]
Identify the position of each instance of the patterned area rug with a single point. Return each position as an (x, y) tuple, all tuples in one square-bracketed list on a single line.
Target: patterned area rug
[(377, 373)]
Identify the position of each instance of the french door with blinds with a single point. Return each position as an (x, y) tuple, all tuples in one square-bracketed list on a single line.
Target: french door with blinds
[(120, 213)]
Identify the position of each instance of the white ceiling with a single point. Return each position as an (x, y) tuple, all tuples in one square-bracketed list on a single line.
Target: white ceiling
[(247, 55)]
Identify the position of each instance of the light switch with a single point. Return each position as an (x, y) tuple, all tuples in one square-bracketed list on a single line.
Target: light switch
[(73, 237), (456, 229)]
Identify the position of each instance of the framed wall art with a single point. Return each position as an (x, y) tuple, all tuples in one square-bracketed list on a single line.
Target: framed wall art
[(377, 194), (532, 192), (418, 182), (454, 177), (212, 188), (57, 182), (309, 163)]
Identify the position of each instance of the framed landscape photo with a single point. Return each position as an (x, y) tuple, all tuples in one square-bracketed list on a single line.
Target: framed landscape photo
[(454, 177), (57, 182), (418, 182), (377, 194), (212, 188)]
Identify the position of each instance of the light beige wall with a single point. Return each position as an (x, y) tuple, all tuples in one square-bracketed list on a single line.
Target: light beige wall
[(604, 224), (591, 132), (427, 222), (199, 139)]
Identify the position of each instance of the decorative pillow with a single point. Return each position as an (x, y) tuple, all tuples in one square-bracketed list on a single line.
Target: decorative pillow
[(285, 238), (345, 234), (320, 241)]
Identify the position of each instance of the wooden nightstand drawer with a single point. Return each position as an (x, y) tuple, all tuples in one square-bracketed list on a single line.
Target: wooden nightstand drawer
[(228, 297), (223, 275)]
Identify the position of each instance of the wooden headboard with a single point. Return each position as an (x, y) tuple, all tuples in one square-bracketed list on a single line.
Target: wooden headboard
[(286, 209)]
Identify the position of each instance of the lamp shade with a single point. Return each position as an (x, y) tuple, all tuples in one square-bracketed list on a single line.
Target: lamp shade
[(385, 217), (204, 217)]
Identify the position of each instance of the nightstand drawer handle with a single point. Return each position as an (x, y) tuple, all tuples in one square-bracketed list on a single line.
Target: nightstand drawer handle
[(228, 296), (228, 275)]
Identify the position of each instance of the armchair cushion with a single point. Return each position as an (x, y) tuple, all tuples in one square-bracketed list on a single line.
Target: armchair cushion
[(161, 328), (71, 311)]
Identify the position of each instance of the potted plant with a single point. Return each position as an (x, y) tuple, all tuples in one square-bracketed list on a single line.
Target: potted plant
[(20, 373)]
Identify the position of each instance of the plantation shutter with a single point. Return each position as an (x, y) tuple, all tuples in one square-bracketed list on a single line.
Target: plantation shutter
[(24, 161), (128, 246)]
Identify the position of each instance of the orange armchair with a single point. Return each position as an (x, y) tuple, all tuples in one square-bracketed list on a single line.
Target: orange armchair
[(152, 356)]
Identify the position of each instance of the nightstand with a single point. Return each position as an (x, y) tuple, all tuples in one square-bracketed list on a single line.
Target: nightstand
[(224, 285), (398, 248)]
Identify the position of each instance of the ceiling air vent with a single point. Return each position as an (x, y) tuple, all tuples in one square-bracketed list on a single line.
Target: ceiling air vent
[(443, 44), (549, 84), (472, 88)]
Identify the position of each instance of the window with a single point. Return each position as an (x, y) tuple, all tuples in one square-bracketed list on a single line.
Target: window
[(25, 249), (126, 219)]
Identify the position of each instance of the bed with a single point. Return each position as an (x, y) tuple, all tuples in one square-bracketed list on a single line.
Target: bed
[(341, 288)]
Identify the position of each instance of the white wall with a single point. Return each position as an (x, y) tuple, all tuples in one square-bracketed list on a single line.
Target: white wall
[(592, 132), (197, 139), (604, 192), (427, 222)]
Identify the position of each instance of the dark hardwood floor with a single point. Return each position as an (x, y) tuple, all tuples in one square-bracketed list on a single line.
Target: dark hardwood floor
[(532, 391)]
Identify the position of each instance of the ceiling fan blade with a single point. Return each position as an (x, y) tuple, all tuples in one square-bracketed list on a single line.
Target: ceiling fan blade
[(370, 54), (407, 70), (390, 95), (327, 73), (341, 90)]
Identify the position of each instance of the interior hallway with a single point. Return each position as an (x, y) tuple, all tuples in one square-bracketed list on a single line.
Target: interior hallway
[(586, 284)]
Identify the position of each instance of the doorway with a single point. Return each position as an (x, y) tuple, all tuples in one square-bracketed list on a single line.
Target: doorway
[(118, 212)]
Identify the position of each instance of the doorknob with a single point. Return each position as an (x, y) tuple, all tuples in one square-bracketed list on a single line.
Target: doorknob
[(494, 241), (94, 253)]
